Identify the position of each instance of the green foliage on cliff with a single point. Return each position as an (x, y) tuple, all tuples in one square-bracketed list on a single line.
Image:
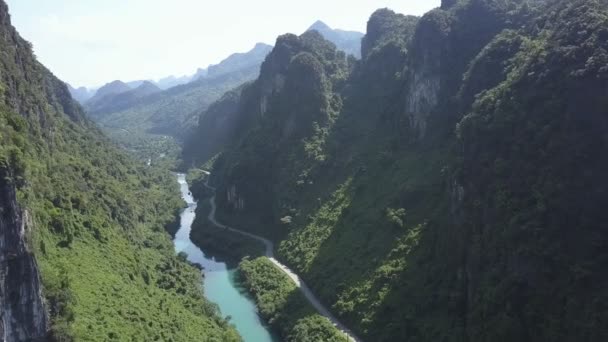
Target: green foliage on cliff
[(449, 186), (535, 146), (305, 69), (95, 218), (283, 305)]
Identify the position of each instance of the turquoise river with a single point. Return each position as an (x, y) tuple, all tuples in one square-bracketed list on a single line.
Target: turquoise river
[(220, 280)]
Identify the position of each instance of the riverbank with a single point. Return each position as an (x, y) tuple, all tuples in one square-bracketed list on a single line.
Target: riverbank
[(282, 304), (219, 242), (221, 285), (291, 276), (277, 297)]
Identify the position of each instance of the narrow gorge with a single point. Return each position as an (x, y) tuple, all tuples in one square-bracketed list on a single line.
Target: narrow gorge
[(438, 176), (220, 279)]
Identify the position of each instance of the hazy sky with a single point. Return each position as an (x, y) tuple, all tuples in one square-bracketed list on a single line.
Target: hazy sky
[(91, 42)]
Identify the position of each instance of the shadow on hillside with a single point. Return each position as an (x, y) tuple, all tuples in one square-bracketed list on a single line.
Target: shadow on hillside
[(375, 274)]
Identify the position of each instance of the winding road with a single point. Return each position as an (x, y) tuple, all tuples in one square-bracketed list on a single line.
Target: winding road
[(291, 274)]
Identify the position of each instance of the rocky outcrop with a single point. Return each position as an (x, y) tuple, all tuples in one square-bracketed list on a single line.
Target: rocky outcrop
[(292, 104), (424, 78), (23, 316), (440, 54)]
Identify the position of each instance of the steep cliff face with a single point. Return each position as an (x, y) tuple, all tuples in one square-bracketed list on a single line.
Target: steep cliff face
[(533, 171), (82, 224), (217, 127), (456, 193), (385, 49), (22, 313), (446, 41), (424, 77), (292, 104)]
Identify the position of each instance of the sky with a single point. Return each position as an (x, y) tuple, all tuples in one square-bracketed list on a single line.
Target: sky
[(92, 42)]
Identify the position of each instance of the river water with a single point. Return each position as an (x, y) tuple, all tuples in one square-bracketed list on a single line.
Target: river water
[(221, 286)]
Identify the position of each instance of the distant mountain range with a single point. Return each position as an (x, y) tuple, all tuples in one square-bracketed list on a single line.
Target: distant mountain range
[(81, 94), (119, 95), (347, 41), (172, 105), (130, 115), (239, 61), (112, 88)]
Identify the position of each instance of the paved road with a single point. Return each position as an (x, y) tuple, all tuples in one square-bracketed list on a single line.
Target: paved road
[(292, 275)]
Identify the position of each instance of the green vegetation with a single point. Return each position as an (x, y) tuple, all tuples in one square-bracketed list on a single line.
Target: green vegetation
[(217, 127), (175, 110), (297, 125), (107, 265), (158, 150), (347, 41), (447, 187), (95, 217), (150, 122), (207, 236), (217, 241), (117, 96), (283, 305)]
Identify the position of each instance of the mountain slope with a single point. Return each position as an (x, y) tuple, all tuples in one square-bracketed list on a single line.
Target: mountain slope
[(238, 61), (172, 81), (82, 242), (347, 41), (153, 124), (81, 94), (217, 127), (173, 110), (112, 88), (99, 106), (447, 187)]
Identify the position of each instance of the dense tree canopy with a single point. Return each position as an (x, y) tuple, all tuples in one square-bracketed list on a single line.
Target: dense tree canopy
[(94, 217), (447, 187)]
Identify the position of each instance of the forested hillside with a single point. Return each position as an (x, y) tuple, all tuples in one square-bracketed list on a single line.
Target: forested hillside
[(220, 123), (154, 123), (447, 187), (85, 256), (101, 105)]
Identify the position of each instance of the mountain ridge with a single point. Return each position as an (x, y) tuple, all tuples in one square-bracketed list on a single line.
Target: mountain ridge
[(85, 254), (153, 126), (432, 190), (347, 41)]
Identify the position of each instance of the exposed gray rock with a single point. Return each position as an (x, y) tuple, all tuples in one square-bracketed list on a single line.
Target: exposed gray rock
[(422, 97), (425, 70), (23, 316)]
